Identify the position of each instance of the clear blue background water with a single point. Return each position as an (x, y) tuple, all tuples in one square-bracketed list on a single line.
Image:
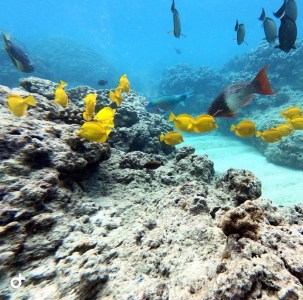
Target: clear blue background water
[(133, 34)]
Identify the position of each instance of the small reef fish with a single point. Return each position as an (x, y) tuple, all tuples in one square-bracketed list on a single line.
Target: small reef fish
[(287, 34), (291, 112), (296, 123), (237, 95), (116, 96), (284, 129), (94, 131), (106, 116), (166, 103), (171, 138), (240, 29), (270, 135), (176, 21), (102, 82), (90, 104), (269, 26), (204, 123), (182, 122), (18, 105), (124, 84), (152, 164), (289, 8), (178, 51), (60, 95), (17, 55), (244, 129)]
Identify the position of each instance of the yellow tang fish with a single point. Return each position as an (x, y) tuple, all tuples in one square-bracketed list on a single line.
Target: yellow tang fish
[(296, 123), (106, 116), (284, 129), (171, 138), (60, 95), (18, 106), (244, 129), (204, 123), (124, 84), (291, 112), (270, 135), (90, 104), (116, 96), (94, 131), (183, 122)]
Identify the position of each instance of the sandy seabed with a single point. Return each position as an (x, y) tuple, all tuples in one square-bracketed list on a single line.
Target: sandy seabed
[(280, 184)]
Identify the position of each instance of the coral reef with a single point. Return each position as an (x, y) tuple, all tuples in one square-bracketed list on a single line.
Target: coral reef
[(82, 220)]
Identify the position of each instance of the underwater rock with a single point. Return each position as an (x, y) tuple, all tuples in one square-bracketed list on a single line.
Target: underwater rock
[(241, 184), (184, 152), (78, 218), (282, 66), (243, 221)]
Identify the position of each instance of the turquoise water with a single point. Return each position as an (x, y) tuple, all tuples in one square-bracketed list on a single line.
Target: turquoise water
[(133, 35)]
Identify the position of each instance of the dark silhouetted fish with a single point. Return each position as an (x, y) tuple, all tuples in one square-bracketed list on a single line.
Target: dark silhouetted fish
[(176, 21), (153, 164), (240, 28), (102, 82), (178, 51), (237, 95), (166, 103), (17, 55), (270, 27), (289, 8), (287, 34)]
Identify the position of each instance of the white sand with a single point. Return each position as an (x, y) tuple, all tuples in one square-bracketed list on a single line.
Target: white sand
[(282, 185)]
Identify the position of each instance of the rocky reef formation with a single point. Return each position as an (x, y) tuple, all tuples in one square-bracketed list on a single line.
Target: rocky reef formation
[(284, 72), (76, 63), (82, 220)]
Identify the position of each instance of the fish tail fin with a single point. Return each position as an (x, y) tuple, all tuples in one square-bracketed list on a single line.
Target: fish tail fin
[(62, 84), (258, 133), (86, 117), (262, 17), (162, 137), (30, 100), (172, 117), (281, 11), (232, 127), (112, 96), (261, 83), (288, 121), (6, 36)]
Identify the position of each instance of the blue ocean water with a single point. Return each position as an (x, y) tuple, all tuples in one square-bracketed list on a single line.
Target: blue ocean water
[(133, 35)]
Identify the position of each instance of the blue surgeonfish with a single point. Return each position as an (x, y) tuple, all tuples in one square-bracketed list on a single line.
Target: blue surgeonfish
[(166, 103), (17, 55)]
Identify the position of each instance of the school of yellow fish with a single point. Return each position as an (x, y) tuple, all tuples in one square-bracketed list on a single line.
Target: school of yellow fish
[(99, 125), (246, 128)]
